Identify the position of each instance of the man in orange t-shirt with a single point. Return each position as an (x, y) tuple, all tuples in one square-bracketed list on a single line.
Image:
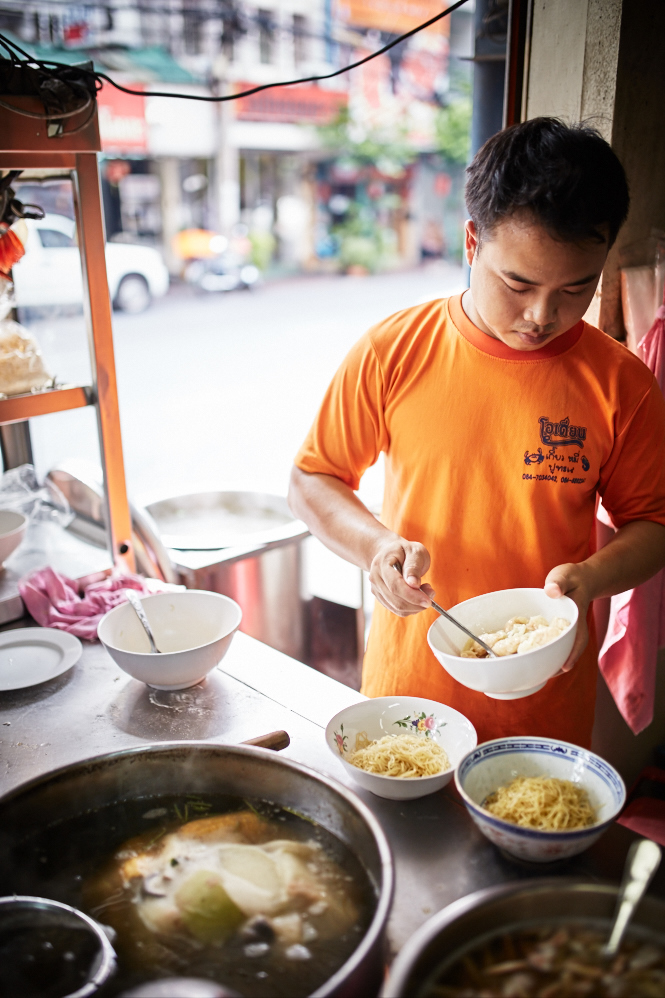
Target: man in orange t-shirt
[(502, 416)]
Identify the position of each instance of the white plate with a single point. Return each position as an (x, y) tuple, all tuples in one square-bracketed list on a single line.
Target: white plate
[(32, 655)]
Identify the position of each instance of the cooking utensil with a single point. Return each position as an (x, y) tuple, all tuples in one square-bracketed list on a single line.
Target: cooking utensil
[(554, 901), (140, 613), (148, 772), (641, 864), (275, 740), (62, 943), (470, 634), (444, 613)]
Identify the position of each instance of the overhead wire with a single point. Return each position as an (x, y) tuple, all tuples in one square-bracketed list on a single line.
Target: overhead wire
[(51, 67)]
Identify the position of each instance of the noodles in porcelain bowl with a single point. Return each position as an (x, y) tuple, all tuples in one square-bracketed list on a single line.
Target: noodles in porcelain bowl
[(400, 747), (539, 799)]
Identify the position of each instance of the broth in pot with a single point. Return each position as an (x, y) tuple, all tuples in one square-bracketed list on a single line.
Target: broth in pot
[(239, 891)]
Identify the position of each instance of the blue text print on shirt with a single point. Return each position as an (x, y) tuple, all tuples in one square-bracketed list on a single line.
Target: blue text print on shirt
[(561, 434)]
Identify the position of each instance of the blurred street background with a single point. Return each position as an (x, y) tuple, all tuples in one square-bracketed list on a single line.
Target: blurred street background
[(251, 243), (219, 391)]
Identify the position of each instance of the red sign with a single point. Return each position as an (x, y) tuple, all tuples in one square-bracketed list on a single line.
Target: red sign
[(122, 122), (304, 104)]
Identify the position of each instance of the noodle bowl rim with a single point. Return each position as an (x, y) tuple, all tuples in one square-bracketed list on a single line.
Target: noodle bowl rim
[(541, 833)]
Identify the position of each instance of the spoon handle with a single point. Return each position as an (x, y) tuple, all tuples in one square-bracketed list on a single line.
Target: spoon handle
[(140, 613), (444, 613), (275, 740), (641, 864), (470, 634)]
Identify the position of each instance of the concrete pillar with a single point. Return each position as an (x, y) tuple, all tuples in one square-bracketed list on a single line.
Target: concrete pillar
[(227, 168), (602, 61), (573, 61), (169, 172)]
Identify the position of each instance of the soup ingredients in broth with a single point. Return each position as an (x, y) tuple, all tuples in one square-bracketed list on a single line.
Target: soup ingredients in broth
[(542, 802), (232, 893), (403, 756), (519, 635), (553, 963)]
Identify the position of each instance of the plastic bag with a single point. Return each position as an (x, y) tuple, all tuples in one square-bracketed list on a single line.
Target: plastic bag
[(7, 299), (20, 491), (21, 363)]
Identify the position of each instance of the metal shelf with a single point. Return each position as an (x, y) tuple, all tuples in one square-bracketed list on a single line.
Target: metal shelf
[(20, 407)]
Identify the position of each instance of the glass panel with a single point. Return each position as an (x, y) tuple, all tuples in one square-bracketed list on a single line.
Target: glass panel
[(48, 281)]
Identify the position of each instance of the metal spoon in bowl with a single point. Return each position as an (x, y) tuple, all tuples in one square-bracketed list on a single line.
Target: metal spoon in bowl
[(641, 864), (140, 613), (444, 613)]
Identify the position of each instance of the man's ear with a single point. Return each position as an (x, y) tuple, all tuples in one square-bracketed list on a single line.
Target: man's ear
[(471, 240)]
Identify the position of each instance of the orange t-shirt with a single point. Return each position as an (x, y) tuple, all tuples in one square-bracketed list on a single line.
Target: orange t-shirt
[(493, 460)]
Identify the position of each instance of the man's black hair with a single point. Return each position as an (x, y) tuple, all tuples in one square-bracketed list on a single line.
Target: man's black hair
[(568, 178)]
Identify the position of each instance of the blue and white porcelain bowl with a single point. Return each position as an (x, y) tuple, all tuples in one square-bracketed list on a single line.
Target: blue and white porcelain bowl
[(397, 715), (494, 764)]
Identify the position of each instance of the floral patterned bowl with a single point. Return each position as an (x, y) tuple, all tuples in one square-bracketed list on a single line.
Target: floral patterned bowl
[(394, 716), (494, 764)]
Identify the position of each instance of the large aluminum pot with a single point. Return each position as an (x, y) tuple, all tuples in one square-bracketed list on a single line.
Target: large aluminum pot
[(493, 910), (199, 768), (246, 545)]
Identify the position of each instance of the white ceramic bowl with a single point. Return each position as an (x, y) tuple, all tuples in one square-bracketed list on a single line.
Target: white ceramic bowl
[(12, 531), (193, 630), (512, 676), (494, 764), (394, 716)]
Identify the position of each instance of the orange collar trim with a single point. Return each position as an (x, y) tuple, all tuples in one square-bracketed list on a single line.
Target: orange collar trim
[(497, 348)]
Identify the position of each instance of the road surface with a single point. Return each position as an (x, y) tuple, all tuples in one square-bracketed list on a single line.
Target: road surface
[(218, 391)]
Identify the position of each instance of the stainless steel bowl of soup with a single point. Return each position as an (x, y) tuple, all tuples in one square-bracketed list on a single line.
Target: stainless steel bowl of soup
[(209, 861), (542, 937)]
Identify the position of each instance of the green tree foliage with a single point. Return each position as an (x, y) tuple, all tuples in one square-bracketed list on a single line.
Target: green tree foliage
[(389, 152), (453, 131)]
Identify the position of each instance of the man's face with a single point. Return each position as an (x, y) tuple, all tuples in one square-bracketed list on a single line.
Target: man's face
[(526, 287)]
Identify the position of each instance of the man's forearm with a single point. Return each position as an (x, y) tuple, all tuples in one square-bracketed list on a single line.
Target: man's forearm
[(336, 516), (633, 555)]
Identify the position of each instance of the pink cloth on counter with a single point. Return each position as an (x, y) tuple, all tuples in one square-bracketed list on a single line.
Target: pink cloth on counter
[(54, 601), (636, 629)]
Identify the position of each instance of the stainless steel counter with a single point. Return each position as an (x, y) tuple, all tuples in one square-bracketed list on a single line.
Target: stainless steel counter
[(97, 708)]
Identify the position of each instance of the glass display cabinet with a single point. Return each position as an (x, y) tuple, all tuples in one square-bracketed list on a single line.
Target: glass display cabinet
[(48, 149)]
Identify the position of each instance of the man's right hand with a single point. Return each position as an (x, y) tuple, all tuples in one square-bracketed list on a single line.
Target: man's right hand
[(395, 576), (337, 517)]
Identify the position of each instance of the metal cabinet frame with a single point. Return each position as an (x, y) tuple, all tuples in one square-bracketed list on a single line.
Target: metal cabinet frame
[(26, 144)]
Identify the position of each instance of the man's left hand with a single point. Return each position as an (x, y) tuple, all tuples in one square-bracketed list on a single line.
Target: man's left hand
[(571, 580)]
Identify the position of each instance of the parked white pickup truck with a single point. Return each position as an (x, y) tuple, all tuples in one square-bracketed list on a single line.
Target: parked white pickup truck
[(50, 271)]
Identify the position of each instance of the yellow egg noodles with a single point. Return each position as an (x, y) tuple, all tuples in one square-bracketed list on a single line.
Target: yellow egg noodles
[(404, 756), (542, 802)]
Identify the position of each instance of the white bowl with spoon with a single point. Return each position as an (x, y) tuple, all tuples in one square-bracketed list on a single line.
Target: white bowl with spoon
[(512, 676), (192, 630)]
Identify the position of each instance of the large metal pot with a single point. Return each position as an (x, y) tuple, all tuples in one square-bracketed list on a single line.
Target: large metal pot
[(199, 768), (458, 925), (246, 545)]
